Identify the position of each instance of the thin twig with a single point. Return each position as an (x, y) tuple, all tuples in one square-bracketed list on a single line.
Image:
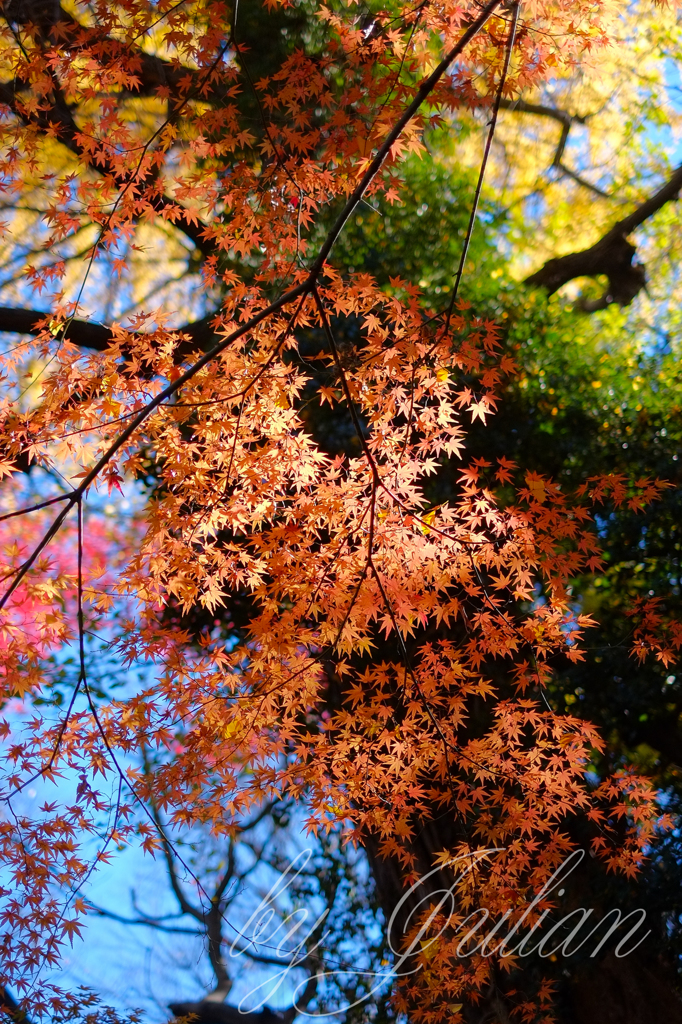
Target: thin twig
[(484, 162)]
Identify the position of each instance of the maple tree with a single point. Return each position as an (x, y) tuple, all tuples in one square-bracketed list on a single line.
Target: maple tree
[(315, 628)]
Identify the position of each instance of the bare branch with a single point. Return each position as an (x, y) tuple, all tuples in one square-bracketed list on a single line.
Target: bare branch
[(667, 192), (185, 906), (582, 181), (566, 121), (562, 116), (264, 812), (149, 922)]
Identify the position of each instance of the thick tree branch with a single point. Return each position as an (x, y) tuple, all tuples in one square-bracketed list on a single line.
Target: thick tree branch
[(670, 190), (612, 255), (89, 335)]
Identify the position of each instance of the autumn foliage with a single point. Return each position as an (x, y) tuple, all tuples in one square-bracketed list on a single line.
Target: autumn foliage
[(391, 657)]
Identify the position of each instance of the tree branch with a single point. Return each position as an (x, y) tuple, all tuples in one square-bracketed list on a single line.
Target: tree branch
[(612, 255), (149, 922), (297, 293), (209, 1012), (562, 116), (94, 336), (566, 120), (213, 923), (652, 205), (185, 906)]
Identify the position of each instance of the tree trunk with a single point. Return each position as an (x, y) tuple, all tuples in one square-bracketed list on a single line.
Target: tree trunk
[(637, 989)]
